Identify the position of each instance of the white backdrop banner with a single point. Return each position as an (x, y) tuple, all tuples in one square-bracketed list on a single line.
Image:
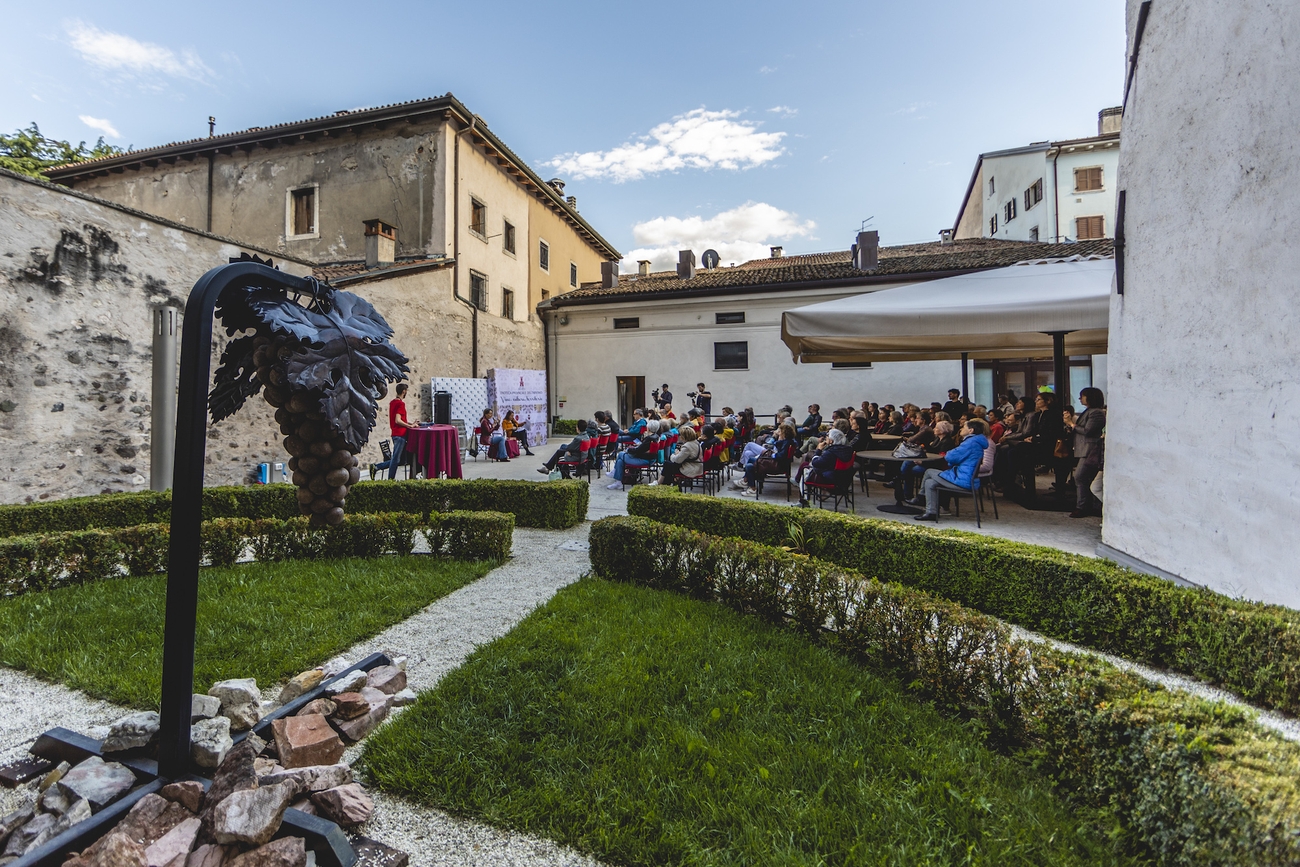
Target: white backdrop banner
[(469, 397), (524, 391)]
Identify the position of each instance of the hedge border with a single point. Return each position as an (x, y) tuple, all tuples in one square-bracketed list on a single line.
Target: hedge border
[(548, 505), (1250, 648), (43, 562), (1191, 781)]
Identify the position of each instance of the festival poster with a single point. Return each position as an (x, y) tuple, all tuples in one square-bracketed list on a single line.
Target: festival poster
[(524, 391)]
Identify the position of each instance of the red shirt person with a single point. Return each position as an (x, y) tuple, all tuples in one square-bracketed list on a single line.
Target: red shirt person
[(397, 427)]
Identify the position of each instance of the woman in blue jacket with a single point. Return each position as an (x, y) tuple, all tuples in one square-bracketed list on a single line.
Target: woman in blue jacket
[(963, 464)]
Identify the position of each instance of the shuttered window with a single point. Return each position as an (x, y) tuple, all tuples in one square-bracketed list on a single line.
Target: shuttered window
[(304, 211), (1087, 180), (993, 224), (1089, 228), (478, 290), (1009, 210), (507, 304), (544, 255), (477, 217), (1034, 194)]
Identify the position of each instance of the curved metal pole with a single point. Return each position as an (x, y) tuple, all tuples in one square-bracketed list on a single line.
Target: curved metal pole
[(187, 498)]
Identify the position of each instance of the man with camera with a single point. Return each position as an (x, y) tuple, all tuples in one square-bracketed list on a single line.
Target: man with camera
[(662, 396), (702, 399)]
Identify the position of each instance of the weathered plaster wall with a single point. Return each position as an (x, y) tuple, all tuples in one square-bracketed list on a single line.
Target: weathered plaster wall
[(1203, 461), (78, 281), (482, 179), (566, 247), (384, 174)]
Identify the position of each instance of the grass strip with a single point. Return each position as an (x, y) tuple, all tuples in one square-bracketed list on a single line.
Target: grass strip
[(648, 728), (263, 620)]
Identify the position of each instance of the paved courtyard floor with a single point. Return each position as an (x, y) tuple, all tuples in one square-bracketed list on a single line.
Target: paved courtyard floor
[(1054, 529)]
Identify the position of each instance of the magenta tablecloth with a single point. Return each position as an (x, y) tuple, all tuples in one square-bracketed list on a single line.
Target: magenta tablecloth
[(435, 448)]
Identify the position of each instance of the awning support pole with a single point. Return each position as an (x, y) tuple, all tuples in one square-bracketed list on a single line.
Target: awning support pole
[(1061, 369), (965, 376)]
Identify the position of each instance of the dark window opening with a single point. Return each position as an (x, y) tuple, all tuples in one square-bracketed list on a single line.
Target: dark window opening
[(478, 290), (573, 274), (477, 217), (1034, 194), (627, 322), (733, 355), (507, 304), (304, 211), (850, 365), (1009, 210), (508, 237), (544, 255), (728, 318)]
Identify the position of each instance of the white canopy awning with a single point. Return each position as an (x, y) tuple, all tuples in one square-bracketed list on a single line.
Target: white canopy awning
[(1004, 312)]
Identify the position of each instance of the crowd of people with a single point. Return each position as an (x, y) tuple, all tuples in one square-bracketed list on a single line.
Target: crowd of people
[(1017, 438)]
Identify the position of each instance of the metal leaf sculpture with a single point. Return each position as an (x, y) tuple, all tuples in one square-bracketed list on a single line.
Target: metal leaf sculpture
[(323, 362)]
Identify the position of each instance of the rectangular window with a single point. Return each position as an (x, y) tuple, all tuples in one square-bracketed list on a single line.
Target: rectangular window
[(304, 211), (544, 255), (733, 355), (850, 365), (728, 318), (1033, 234), (1087, 180), (993, 188), (573, 274), (628, 322), (478, 290), (1089, 228), (1009, 210), (507, 304), (1034, 194), (508, 237), (993, 224), (478, 218)]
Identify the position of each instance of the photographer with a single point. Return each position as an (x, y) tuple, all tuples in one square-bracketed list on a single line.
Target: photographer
[(663, 397), (702, 398)]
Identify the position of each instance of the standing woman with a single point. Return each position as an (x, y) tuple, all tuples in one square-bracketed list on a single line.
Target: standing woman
[(1087, 430), (512, 428)]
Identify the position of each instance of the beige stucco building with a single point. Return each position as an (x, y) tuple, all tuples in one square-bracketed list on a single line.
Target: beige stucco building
[(456, 237)]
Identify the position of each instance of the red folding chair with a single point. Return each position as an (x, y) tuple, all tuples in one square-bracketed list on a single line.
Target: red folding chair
[(839, 488), (581, 464)]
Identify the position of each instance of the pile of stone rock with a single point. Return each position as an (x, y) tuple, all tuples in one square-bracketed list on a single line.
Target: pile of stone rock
[(234, 823)]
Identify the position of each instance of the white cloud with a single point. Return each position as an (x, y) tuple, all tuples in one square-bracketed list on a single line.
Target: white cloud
[(116, 51), (699, 139), (767, 69), (101, 124), (740, 234), (784, 110)]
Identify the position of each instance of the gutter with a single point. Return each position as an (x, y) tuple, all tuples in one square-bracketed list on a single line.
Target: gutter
[(1056, 199), (392, 271)]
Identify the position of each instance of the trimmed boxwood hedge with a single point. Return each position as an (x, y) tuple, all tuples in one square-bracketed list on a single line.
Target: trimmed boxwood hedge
[(1191, 781), (1250, 648), (41, 562), (563, 426), (550, 505)]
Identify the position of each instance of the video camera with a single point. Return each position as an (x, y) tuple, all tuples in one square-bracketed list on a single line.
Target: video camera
[(655, 394), (692, 394)]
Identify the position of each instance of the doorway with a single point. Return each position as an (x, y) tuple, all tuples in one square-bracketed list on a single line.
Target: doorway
[(1025, 376), (631, 396)]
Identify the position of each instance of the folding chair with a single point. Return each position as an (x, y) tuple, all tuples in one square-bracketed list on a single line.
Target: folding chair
[(583, 462), (839, 488), (789, 483)]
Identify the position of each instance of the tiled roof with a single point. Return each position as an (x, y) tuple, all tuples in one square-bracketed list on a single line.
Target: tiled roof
[(341, 273), (916, 261)]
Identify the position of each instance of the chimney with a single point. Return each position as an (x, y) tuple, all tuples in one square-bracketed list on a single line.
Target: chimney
[(608, 275), (778, 252), (866, 252), (945, 237), (643, 267), (686, 264), (381, 244), (573, 202), (1109, 120), (557, 185)]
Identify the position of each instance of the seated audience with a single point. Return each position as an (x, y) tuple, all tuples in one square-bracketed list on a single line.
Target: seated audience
[(774, 460), (831, 451), (963, 464), (637, 455), (573, 449), (685, 458)]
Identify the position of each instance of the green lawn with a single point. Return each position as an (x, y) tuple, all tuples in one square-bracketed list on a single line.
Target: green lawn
[(263, 620), (647, 728)]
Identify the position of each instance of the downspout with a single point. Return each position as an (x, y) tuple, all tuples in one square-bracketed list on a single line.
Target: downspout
[(211, 157), (1056, 199), (455, 251)]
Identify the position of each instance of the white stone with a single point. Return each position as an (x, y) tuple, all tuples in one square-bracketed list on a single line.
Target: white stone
[(210, 741), (241, 702), (131, 732), (204, 707), (349, 683)]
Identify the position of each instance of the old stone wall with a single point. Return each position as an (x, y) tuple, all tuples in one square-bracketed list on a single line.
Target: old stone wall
[(79, 279)]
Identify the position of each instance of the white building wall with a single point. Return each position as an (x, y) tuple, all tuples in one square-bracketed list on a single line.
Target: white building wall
[(1085, 204), (1203, 459), (674, 344), (1011, 175)]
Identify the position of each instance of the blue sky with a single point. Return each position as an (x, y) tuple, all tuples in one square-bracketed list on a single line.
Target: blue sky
[(675, 124)]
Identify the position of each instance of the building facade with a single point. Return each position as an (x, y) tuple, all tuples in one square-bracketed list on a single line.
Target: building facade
[(410, 184), (1050, 191), (612, 343), (1202, 461)]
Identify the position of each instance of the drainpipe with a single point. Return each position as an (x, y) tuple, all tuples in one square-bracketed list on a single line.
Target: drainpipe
[(211, 157), (455, 247), (1056, 199)]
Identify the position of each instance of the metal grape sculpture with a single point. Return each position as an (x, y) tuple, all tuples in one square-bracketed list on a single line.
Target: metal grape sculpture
[(323, 361)]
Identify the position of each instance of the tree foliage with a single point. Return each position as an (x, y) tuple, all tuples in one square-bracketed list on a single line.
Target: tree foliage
[(29, 151)]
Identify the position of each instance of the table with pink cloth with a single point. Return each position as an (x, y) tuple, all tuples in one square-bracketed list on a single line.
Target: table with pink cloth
[(436, 448)]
